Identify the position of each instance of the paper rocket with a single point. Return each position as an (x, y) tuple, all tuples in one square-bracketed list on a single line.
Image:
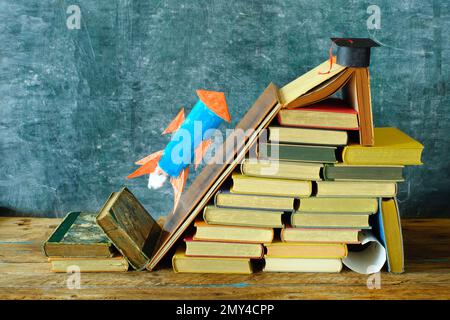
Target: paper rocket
[(190, 140)]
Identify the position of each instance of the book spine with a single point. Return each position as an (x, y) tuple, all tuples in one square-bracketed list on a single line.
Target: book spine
[(325, 173)]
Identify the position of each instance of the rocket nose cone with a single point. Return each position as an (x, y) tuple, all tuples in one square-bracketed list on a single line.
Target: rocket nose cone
[(216, 102)]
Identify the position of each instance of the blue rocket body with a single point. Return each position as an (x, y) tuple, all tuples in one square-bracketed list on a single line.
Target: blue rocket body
[(180, 152)]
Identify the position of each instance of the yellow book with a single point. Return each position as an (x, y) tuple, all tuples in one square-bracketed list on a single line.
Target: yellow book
[(392, 147), (320, 235), (345, 205), (306, 250), (211, 232), (392, 234), (311, 79), (115, 264), (356, 189), (196, 248), (307, 136), (184, 264), (329, 220), (243, 217), (301, 265), (272, 187), (251, 201)]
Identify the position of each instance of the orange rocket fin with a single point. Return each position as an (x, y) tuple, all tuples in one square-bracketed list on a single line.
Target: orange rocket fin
[(176, 122), (148, 165), (178, 186), (148, 158), (216, 102), (200, 151)]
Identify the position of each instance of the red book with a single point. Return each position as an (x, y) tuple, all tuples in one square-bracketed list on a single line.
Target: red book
[(331, 113)]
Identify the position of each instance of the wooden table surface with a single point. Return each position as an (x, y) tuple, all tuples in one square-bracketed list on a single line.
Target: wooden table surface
[(25, 273)]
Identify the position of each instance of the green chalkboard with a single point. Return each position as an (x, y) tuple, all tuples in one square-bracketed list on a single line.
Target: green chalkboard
[(79, 105)]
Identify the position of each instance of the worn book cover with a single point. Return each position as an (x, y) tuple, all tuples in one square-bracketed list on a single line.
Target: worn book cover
[(78, 235), (130, 227)]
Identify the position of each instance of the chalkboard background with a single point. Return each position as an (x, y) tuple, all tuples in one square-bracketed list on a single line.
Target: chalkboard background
[(79, 106)]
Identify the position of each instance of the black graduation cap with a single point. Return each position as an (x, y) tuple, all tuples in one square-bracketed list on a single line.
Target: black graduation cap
[(354, 52)]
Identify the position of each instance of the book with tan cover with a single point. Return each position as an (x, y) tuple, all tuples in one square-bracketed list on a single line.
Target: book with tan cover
[(306, 250), (211, 232), (182, 263)]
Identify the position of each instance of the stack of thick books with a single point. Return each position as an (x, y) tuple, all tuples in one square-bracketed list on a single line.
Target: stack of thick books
[(231, 234), (325, 179), (338, 184), (317, 186)]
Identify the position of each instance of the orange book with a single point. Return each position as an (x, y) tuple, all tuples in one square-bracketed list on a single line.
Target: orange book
[(306, 250)]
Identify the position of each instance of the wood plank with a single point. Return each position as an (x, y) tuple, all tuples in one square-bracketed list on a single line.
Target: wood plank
[(26, 273)]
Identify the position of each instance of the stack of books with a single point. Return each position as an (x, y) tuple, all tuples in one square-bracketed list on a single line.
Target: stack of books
[(121, 235), (324, 178), (229, 238), (339, 184)]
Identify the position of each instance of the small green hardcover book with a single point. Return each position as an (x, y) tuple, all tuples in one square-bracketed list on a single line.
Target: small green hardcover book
[(292, 152), (341, 172), (77, 236)]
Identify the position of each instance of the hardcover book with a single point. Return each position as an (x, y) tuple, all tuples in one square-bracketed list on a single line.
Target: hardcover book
[(130, 227), (345, 172), (306, 250), (330, 113), (225, 199), (291, 152), (203, 248), (302, 265), (391, 234), (341, 204), (282, 169), (320, 235), (114, 264), (392, 147), (78, 235), (356, 189), (320, 220), (210, 232), (307, 136), (272, 187), (243, 217), (182, 263)]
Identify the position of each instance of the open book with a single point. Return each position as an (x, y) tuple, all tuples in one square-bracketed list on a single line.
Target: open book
[(316, 85)]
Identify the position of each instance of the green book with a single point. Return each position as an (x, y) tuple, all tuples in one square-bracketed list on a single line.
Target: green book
[(78, 236), (361, 172), (293, 152)]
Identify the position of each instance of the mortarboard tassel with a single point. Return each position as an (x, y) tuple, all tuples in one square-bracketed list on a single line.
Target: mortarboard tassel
[(331, 53)]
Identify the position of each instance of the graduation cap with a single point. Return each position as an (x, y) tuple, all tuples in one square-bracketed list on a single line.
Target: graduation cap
[(354, 52)]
